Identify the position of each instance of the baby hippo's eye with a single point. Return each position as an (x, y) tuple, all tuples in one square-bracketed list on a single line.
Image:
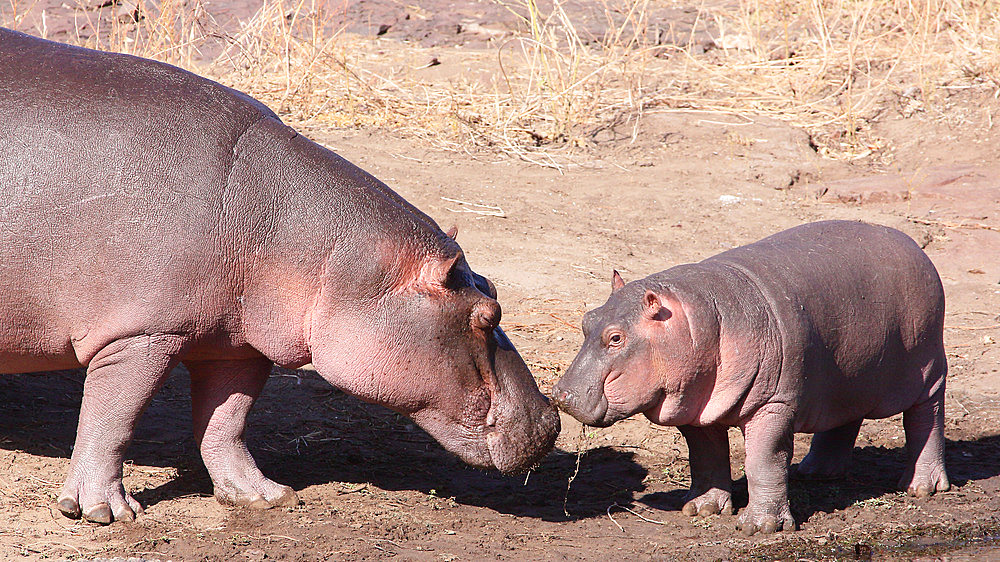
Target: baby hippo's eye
[(614, 338)]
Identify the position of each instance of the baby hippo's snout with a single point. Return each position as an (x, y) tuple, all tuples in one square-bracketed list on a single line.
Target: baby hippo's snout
[(586, 404)]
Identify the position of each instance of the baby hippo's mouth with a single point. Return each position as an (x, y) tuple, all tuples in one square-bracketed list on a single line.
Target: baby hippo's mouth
[(589, 404)]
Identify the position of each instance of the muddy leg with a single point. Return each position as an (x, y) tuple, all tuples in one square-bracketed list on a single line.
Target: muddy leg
[(711, 476), (924, 427), (121, 380), (830, 453), (768, 437), (222, 394)]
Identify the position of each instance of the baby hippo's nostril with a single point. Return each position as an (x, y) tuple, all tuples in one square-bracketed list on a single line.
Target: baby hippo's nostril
[(560, 396)]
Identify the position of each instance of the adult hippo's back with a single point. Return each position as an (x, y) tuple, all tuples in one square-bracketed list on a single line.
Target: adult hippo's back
[(149, 216)]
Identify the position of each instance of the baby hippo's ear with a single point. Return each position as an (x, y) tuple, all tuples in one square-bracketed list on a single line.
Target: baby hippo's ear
[(616, 281), (653, 307)]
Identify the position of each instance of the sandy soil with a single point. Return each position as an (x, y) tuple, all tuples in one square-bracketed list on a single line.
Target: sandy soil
[(373, 486)]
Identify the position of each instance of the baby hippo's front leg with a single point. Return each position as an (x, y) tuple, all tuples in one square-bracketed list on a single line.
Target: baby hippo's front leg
[(711, 476), (769, 436)]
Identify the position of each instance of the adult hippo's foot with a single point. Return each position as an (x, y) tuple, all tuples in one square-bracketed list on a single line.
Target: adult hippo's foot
[(100, 500), (222, 394), (264, 494), (121, 379)]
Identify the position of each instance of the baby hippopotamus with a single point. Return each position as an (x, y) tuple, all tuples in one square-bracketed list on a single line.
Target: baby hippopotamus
[(811, 330)]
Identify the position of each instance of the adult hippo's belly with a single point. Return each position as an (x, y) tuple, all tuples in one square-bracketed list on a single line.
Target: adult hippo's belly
[(151, 216)]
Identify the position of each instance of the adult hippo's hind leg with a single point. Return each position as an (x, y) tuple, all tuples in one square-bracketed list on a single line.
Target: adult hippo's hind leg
[(924, 426), (121, 380), (222, 394), (829, 453)]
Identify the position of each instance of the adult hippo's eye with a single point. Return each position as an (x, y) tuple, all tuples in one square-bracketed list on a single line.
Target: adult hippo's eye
[(486, 315)]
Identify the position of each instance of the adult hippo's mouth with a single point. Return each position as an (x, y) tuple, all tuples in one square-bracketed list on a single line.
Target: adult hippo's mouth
[(508, 442), (521, 444)]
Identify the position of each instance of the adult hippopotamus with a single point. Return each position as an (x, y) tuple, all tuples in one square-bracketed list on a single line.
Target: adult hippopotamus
[(150, 217), (812, 330)]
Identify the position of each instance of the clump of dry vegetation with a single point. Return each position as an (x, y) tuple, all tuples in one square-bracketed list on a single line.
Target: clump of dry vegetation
[(830, 66)]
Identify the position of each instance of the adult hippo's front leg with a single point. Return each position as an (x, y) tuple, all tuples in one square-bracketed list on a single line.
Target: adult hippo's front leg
[(222, 394), (121, 379)]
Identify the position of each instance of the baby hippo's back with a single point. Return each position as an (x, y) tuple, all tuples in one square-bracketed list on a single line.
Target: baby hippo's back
[(859, 309)]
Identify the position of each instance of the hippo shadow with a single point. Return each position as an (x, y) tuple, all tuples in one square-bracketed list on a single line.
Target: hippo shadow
[(874, 472), (303, 432)]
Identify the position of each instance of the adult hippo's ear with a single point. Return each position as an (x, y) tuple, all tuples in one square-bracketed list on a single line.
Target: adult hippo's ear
[(616, 281), (653, 307), (436, 272), (452, 232)]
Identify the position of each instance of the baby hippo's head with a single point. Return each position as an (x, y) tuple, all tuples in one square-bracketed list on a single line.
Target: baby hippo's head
[(638, 355)]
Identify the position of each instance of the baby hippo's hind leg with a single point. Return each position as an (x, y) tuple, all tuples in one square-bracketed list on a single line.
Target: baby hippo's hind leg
[(924, 426), (830, 453), (222, 394)]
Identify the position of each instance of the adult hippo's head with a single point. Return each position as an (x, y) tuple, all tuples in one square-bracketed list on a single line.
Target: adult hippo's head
[(430, 346)]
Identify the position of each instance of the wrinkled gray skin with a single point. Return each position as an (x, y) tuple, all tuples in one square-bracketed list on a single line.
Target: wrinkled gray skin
[(811, 330), (152, 217)]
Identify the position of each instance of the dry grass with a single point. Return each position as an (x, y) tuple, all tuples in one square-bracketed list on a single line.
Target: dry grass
[(830, 66)]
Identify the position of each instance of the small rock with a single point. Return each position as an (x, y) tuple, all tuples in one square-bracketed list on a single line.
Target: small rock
[(128, 12), (254, 554), (738, 42)]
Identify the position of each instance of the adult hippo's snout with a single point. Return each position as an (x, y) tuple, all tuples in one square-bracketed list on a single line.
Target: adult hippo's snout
[(522, 424)]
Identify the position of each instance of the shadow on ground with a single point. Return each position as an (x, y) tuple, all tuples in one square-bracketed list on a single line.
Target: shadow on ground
[(875, 471), (303, 433)]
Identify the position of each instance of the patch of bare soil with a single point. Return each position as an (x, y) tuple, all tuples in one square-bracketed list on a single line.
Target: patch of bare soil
[(689, 185)]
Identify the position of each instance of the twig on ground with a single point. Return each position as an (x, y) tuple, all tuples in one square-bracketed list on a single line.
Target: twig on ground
[(633, 512), (954, 225), (608, 511), (477, 208)]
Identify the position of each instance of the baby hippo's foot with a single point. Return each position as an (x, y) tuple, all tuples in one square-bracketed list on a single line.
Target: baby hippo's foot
[(710, 502), (811, 469), (765, 518), (101, 500), (261, 493), (925, 481), (829, 454)]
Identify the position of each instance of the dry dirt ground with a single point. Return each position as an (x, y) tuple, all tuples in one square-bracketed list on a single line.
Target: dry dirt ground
[(375, 487)]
